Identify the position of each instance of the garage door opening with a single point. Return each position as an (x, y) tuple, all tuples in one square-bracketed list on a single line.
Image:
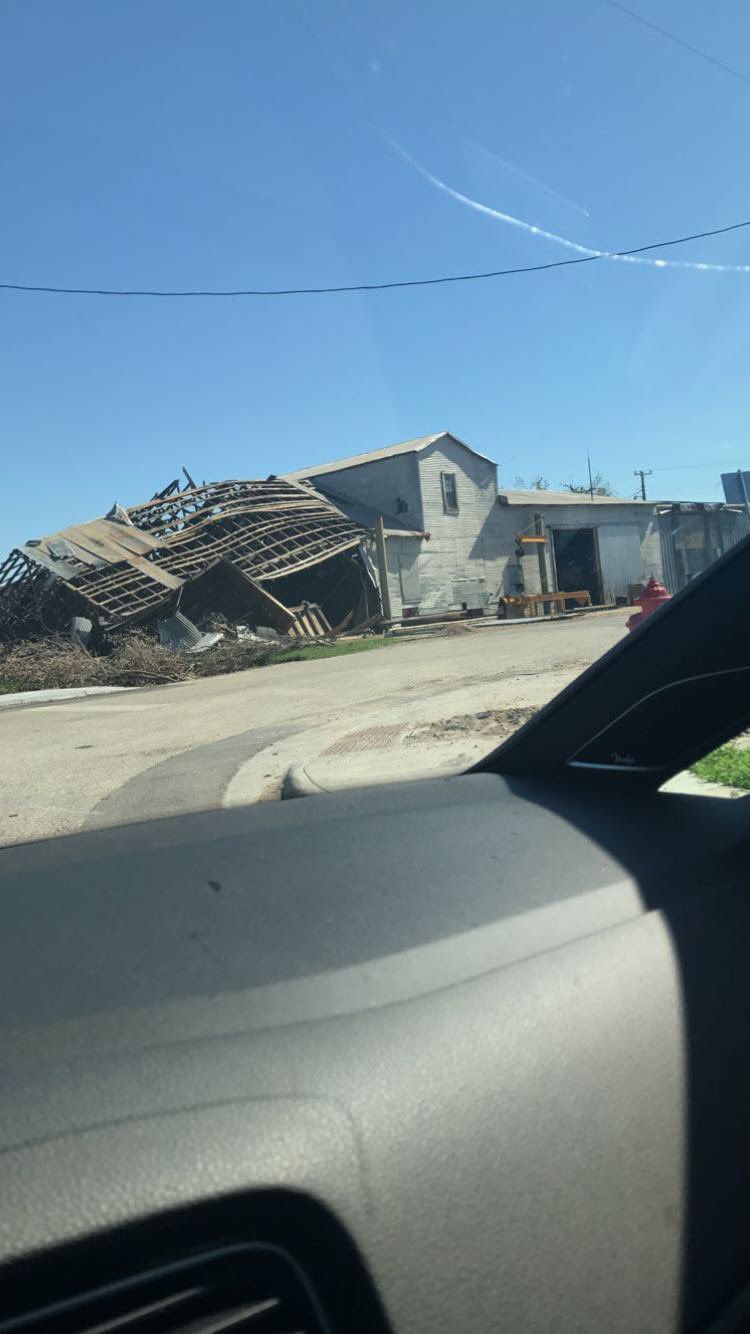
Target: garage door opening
[(577, 561)]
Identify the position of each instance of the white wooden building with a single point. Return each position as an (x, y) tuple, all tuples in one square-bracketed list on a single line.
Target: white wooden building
[(438, 497)]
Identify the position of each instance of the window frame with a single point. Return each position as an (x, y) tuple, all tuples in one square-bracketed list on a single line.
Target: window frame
[(447, 478)]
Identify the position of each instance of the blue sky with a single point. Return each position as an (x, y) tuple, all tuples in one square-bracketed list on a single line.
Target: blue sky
[(170, 143)]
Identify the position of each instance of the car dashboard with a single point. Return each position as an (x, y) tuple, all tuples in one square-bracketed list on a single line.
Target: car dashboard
[(462, 1054)]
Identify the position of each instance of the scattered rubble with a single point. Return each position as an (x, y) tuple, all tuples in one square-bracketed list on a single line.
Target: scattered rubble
[(192, 563)]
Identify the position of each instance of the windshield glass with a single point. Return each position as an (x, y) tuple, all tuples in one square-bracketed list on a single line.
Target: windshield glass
[(370, 371)]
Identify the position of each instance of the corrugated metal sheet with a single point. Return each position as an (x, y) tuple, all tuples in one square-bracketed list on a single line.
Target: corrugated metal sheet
[(668, 558), (733, 526), (179, 634), (619, 558)]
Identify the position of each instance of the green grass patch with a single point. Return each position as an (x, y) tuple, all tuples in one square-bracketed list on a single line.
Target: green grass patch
[(8, 687), (311, 652), (727, 765)]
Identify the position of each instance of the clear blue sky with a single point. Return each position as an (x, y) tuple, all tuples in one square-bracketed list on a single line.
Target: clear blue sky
[(171, 143)]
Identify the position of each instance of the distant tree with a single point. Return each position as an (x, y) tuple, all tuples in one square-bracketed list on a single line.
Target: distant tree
[(599, 485), (534, 483)]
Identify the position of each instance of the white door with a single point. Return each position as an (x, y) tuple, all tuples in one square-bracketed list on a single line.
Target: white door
[(620, 558), (408, 573)]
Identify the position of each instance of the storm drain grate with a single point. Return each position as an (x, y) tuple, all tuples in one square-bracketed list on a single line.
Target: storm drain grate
[(368, 738)]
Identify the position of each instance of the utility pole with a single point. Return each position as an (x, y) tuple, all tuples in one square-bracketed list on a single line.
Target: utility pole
[(591, 480), (539, 530), (643, 473)]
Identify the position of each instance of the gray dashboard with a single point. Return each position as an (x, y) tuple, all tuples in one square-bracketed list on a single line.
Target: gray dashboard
[(490, 1032)]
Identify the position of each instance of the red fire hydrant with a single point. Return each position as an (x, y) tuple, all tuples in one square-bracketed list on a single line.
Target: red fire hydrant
[(653, 595)]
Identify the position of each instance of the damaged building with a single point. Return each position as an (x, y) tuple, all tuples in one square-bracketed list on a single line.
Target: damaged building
[(414, 531), (274, 553)]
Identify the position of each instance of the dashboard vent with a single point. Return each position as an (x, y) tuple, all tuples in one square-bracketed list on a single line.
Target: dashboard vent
[(253, 1288)]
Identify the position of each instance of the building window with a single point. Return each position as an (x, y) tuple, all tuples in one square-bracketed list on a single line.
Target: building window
[(401, 505), (450, 494)]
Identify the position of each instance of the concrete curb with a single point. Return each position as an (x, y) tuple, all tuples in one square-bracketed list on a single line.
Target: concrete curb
[(406, 631), (24, 698), (294, 763)]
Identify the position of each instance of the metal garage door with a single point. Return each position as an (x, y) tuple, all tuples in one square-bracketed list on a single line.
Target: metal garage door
[(619, 558)]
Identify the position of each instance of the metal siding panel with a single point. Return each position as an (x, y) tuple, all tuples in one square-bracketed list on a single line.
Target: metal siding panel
[(669, 564), (651, 549), (619, 558), (734, 525)]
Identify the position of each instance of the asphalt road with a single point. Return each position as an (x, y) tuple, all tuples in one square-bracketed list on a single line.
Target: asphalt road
[(142, 754)]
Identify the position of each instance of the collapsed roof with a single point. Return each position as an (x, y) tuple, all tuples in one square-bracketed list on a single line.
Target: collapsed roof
[(120, 569)]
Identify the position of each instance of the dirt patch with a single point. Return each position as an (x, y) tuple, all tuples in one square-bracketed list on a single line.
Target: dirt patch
[(497, 723), (271, 790), (458, 628)]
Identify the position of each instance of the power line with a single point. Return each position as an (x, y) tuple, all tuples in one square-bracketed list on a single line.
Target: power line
[(374, 287), (689, 467), (679, 41)]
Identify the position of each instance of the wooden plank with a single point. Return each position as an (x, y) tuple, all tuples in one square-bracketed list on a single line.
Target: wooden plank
[(365, 625), (316, 617), (155, 572), (337, 629), (278, 616), (107, 540)]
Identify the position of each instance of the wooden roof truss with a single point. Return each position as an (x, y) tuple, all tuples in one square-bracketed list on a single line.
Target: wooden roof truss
[(267, 529)]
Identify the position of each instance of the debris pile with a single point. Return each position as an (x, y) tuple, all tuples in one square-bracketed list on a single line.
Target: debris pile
[(135, 659), (248, 559)]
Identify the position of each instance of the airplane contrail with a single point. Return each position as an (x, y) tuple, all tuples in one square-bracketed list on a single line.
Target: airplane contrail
[(579, 249)]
